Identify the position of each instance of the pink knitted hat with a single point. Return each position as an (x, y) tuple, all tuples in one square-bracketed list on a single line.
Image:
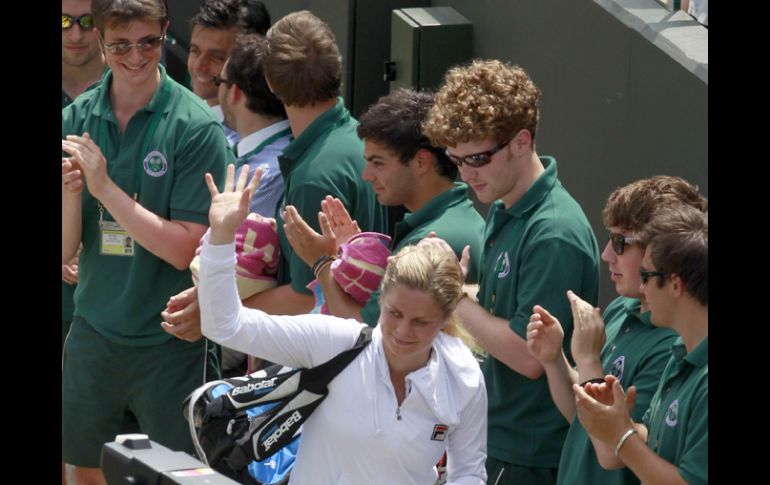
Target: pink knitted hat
[(360, 264), (256, 254)]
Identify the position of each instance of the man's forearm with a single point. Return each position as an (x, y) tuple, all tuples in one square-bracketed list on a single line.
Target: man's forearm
[(172, 241), (561, 376), (650, 468), (496, 337)]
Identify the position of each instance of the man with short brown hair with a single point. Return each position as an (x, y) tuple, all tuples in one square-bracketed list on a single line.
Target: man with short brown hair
[(135, 151)]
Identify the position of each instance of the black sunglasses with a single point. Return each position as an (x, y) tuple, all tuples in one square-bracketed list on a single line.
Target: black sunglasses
[(476, 160), (86, 22), (646, 275), (144, 45), (219, 80), (619, 242)]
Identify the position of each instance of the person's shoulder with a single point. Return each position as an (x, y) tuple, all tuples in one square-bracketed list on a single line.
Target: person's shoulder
[(619, 304), (460, 362), (75, 114), (190, 106), (84, 103)]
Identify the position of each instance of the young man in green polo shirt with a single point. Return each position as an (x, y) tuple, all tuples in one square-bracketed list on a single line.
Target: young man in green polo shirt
[(82, 65), (136, 149), (303, 69), (670, 444), (403, 169), (538, 244), (635, 351)]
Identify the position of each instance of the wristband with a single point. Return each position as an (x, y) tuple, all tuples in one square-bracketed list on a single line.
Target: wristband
[(320, 262), (623, 440), (321, 267)]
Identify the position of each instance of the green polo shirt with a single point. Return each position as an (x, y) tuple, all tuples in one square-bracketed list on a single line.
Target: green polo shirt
[(122, 296), (678, 418), (636, 352), (68, 290), (533, 253), (452, 217), (326, 159)]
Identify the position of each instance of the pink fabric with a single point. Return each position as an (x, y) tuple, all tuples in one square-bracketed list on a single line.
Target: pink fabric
[(360, 264), (256, 253)]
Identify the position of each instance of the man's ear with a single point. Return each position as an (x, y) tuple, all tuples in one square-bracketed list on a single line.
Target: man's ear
[(423, 161), (522, 141), (677, 285), (236, 94)]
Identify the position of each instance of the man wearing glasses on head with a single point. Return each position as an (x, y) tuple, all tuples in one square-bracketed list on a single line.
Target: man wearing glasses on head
[(538, 244), (135, 150)]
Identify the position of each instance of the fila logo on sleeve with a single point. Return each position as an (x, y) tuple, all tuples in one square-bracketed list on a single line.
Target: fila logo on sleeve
[(439, 432)]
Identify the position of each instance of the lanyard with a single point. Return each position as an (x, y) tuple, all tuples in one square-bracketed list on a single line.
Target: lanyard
[(242, 160), (151, 129)]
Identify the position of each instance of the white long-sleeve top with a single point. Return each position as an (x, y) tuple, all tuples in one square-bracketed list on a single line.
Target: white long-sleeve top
[(355, 436)]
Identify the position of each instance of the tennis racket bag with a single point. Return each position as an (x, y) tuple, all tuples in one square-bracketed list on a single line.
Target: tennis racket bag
[(248, 428)]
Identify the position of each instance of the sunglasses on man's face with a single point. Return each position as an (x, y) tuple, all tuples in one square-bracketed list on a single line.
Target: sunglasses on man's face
[(86, 22), (646, 275), (619, 242), (145, 45), (476, 160)]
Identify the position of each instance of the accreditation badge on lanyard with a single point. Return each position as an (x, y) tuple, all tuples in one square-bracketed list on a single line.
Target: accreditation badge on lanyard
[(113, 239)]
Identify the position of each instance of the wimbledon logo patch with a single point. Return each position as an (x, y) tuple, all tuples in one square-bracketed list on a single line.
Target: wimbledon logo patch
[(502, 265), (617, 367), (155, 164), (672, 413)]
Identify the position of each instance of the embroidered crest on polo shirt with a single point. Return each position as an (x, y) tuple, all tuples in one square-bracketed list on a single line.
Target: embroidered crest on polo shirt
[(155, 164), (672, 413), (617, 367), (502, 265), (439, 432)]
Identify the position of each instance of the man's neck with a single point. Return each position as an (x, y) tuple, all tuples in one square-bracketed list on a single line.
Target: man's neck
[(129, 99), (250, 123), (212, 102), (428, 189), (691, 322), (75, 80), (301, 118), (527, 170)]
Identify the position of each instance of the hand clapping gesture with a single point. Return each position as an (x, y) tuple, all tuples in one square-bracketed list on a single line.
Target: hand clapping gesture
[(86, 159), (589, 336), (336, 228), (544, 335), (604, 409)]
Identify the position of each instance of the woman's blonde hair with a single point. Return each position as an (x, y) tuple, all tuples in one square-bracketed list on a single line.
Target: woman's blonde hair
[(431, 269)]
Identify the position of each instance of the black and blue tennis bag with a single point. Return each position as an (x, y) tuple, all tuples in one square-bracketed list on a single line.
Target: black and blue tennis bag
[(248, 428)]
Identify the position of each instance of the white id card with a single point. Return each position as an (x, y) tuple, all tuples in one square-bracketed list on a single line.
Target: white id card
[(115, 241)]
